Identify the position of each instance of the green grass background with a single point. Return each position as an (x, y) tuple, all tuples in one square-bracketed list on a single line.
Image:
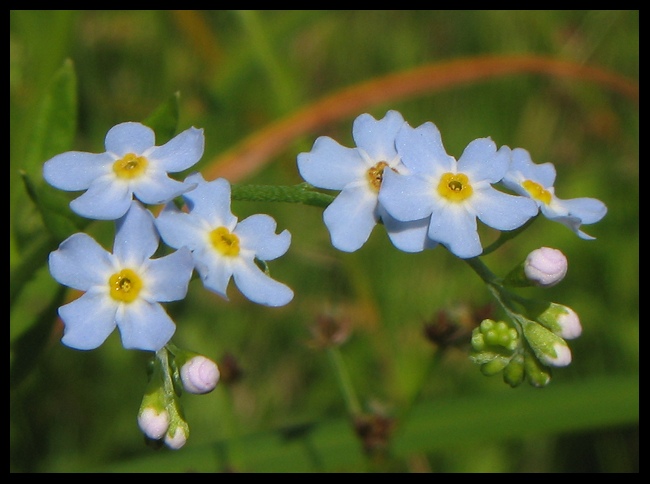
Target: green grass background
[(236, 73)]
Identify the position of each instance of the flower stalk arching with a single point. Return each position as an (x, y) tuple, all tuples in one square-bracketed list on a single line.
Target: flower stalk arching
[(503, 296), (300, 193)]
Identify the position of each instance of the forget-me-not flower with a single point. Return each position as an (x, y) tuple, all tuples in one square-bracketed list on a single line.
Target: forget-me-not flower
[(131, 165), (536, 181), (452, 193), (223, 248), (123, 288), (358, 173)]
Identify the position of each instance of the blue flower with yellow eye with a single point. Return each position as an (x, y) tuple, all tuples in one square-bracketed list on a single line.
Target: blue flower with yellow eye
[(224, 248), (452, 194), (124, 288), (358, 173), (131, 166), (537, 182)]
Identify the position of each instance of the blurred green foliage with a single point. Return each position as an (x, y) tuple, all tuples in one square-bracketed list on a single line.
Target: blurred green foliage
[(234, 73)]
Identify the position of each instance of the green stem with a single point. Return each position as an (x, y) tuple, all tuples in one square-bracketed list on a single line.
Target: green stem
[(344, 381), (506, 236), (163, 358), (301, 193), (503, 296)]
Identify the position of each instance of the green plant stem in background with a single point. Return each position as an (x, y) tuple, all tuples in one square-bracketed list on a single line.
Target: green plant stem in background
[(343, 377)]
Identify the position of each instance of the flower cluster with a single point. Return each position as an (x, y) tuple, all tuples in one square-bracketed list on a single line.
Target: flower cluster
[(126, 288), (397, 176), (403, 177)]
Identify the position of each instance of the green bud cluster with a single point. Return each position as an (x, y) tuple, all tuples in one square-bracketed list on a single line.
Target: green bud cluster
[(494, 336), (497, 347), (494, 346)]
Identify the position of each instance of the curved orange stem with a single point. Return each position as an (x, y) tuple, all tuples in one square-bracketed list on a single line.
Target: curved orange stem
[(257, 149)]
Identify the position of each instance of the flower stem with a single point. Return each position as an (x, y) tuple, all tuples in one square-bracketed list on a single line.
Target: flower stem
[(301, 193), (503, 296), (163, 358), (351, 400), (506, 236)]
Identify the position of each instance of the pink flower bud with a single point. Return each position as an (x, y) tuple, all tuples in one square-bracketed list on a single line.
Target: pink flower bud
[(199, 375), (153, 424), (178, 440), (545, 266), (569, 323)]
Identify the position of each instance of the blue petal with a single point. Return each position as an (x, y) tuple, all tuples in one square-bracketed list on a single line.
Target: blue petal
[(331, 166), (453, 226), (406, 197), (215, 270), (81, 263), (588, 210), (351, 217), (76, 170), (210, 201), (503, 211), (408, 236), (88, 321), (136, 237), (260, 288), (575, 212), (178, 228), (257, 233), (521, 162), (481, 161), (169, 276), (422, 151), (144, 325), (181, 152), (105, 199), (129, 138), (377, 138), (157, 188), (574, 224)]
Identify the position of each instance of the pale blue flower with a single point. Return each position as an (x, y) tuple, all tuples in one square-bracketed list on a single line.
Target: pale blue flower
[(357, 173), (223, 248), (536, 181), (123, 288), (132, 165), (453, 194)]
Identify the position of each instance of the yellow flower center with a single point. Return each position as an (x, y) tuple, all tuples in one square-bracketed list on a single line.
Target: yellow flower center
[(455, 188), (537, 191), (376, 174), (130, 166), (224, 241), (125, 285)]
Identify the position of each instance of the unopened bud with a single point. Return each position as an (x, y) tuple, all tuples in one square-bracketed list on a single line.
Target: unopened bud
[(513, 374), (545, 266), (562, 320), (153, 424), (550, 348), (176, 438), (199, 375), (537, 375), (494, 366)]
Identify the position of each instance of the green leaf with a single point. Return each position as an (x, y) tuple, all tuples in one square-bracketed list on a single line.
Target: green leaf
[(434, 426), (27, 348), (164, 120), (56, 124), (54, 206), (53, 133)]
